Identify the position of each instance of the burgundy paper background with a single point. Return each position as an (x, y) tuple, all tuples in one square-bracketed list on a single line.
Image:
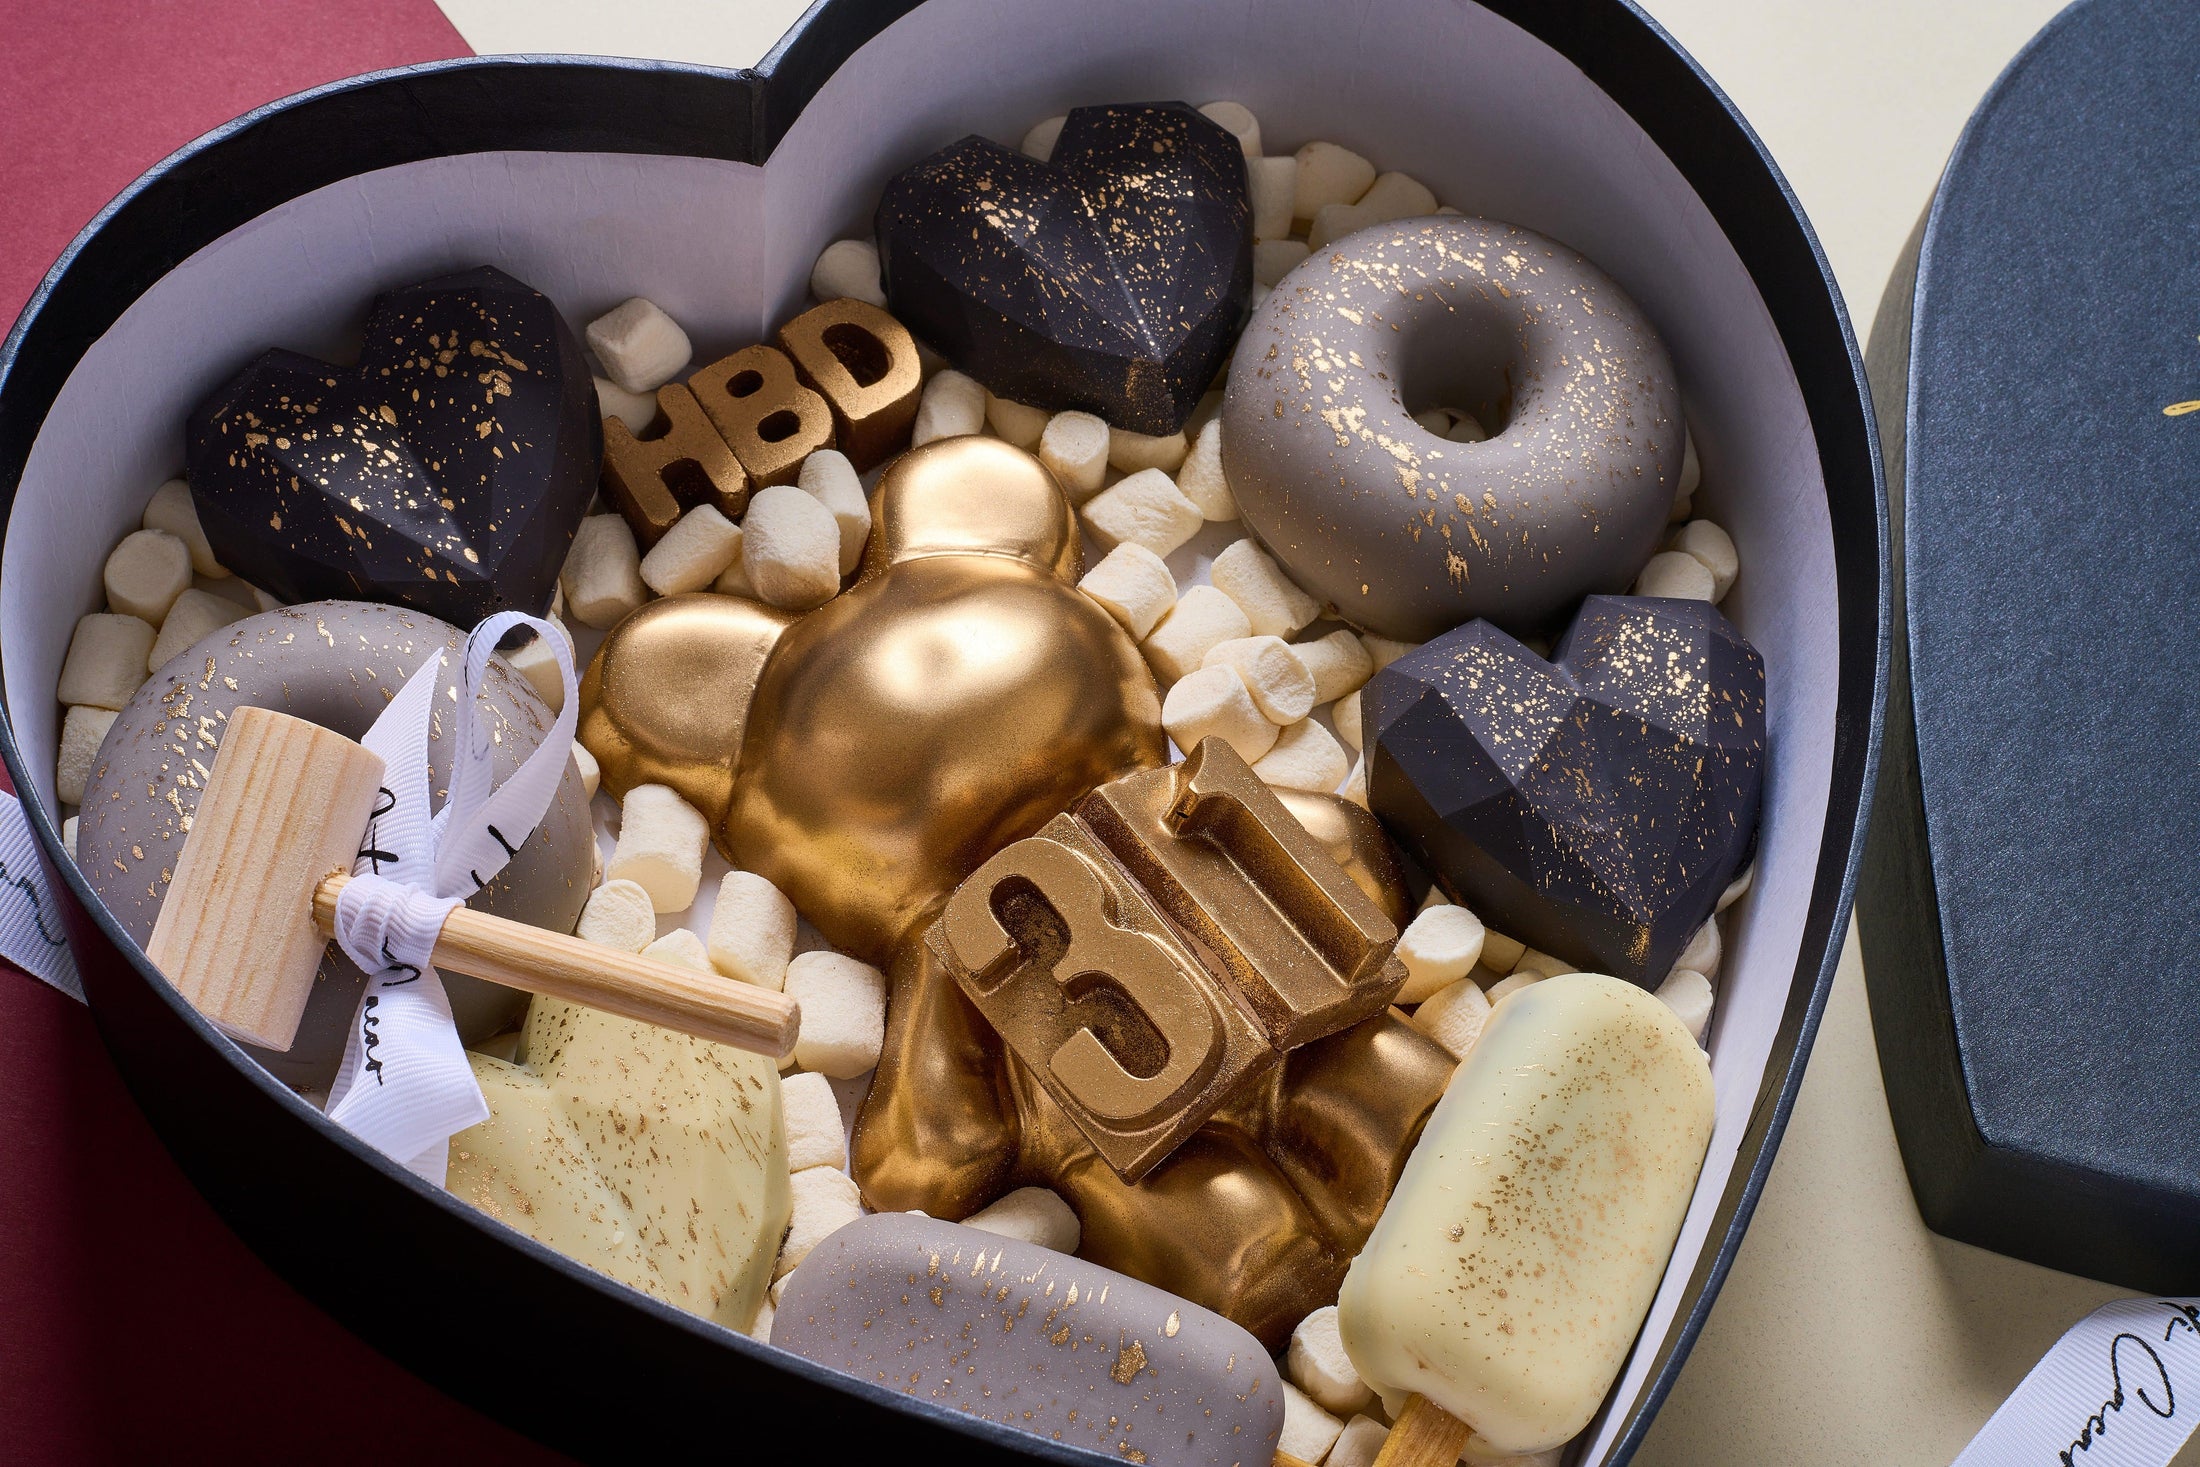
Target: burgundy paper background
[(134, 1327)]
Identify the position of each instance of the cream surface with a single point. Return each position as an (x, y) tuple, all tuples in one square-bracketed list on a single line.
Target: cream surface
[(1517, 1258)]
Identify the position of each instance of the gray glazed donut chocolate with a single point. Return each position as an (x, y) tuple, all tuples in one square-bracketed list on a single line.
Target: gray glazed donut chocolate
[(335, 663), (1405, 533)]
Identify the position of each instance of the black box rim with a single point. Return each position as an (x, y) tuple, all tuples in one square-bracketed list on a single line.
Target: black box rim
[(217, 1112)]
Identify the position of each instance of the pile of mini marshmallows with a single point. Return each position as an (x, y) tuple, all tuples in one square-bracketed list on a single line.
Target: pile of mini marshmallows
[(165, 593)]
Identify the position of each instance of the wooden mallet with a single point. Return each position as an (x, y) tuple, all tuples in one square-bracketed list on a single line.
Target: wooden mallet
[(253, 905)]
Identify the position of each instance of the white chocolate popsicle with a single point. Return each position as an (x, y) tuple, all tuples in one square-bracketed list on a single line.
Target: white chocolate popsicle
[(1516, 1260)]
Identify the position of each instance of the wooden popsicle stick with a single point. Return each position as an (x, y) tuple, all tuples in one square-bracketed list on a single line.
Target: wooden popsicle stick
[(1426, 1436), (707, 1005), (1285, 1459)]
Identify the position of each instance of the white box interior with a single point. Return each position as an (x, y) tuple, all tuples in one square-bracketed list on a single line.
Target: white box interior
[(1494, 121)]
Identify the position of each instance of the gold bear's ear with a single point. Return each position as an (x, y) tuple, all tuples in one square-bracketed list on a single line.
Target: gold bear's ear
[(972, 496)]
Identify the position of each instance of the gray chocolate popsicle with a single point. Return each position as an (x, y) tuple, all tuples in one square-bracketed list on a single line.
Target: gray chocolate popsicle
[(1033, 1339)]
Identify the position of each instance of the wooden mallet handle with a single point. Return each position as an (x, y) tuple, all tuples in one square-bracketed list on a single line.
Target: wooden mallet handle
[(668, 995), (253, 901)]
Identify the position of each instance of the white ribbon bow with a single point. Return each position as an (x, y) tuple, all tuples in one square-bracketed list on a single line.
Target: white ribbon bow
[(405, 1087)]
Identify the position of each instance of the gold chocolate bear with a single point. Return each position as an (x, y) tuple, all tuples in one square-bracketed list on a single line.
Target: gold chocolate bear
[(868, 756)]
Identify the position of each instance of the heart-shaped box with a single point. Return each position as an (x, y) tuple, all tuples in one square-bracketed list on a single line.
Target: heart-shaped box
[(711, 192), (2029, 888)]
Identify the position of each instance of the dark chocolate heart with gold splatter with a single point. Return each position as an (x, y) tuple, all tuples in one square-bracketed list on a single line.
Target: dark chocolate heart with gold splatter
[(1593, 806), (446, 472), (1111, 278)]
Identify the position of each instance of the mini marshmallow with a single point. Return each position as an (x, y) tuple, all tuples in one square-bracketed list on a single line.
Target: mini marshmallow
[(850, 268), (1317, 1364), (734, 579), (1346, 715), (1134, 585), (1540, 963), (262, 601), (790, 548), (1308, 1430), (1677, 574), (1688, 994), (1383, 650), (106, 661), (1354, 787), (829, 478), (68, 836), (195, 616), (1500, 954), (1200, 479), (1275, 258), (1358, 1445), (170, 510), (693, 553), (590, 771), (1030, 1215), (146, 573), (1015, 422), (1306, 757), (1334, 221), (752, 930), (1467, 428), (1205, 411), (1213, 702), (619, 914), (1273, 184), (825, 1200), (1506, 987), (1074, 447), (953, 406), (1738, 887), (1704, 950), (843, 1013), (537, 661), (1144, 508), (681, 948), (760, 1329), (1236, 119), (233, 589), (1338, 664), (82, 730), (1439, 947), (1715, 548), (1282, 688), (1447, 209), (635, 409), (1437, 421), (1328, 174), (641, 347), (1272, 604), (1397, 196), (1201, 619), (1039, 142), (660, 849), (603, 572), (1691, 467), (1453, 1016), (816, 1135), (1131, 452)]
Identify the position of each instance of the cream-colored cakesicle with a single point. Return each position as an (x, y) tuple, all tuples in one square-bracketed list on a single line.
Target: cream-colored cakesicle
[(1517, 1258)]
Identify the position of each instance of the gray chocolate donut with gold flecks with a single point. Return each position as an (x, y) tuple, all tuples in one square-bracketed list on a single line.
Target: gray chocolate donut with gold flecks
[(337, 664), (1408, 534)]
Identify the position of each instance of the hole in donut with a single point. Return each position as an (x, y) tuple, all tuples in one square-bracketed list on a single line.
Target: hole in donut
[(1464, 362)]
